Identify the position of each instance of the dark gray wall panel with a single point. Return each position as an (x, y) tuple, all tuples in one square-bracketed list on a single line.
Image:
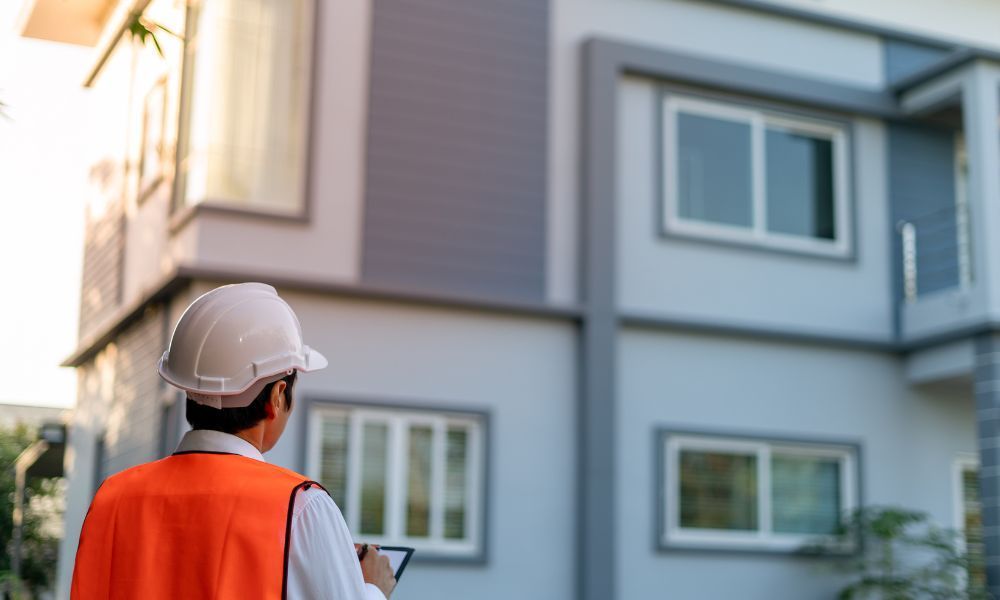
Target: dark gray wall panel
[(903, 59), (922, 191), (987, 394), (456, 159)]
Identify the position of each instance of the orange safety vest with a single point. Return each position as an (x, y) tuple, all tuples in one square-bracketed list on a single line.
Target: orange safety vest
[(190, 526)]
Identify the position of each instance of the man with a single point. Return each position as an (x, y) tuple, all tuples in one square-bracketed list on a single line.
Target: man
[(214, 520)]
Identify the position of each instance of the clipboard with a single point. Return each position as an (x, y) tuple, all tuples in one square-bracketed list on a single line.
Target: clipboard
[(399, 557)]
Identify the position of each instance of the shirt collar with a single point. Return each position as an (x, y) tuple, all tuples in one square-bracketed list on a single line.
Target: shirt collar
[(206, 440)]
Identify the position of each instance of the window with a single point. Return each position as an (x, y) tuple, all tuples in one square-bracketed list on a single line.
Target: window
[(968, 513), (246, 104), (753, 176), (152, 153), (403, 477), (743, 493)]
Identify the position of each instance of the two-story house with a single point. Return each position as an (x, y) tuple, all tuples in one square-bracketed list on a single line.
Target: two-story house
[(621, 298)]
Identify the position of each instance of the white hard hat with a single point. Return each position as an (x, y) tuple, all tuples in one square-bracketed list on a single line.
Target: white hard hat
[(233, 341)]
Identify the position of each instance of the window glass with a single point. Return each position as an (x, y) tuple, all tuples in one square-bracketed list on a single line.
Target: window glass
[(718, 490), (714, 171), (800, 186), (805, 494), (744, 174), (333, 459), (972, 523), (456, 482), (412, 476), (749, 493), (373, 469), (247, 104), (419, 494)]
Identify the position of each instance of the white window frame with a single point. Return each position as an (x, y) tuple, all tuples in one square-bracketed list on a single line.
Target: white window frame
[(398, 422), (673, 535), (757, 234)]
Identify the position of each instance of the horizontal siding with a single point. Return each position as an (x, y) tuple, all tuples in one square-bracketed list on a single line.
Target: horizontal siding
[(456, 159), (133, 430), (101, 277)]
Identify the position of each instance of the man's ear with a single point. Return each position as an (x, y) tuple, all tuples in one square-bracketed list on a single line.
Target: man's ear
[(277, 399)]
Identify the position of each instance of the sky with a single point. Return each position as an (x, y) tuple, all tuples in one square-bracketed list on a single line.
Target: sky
[(42, 182)]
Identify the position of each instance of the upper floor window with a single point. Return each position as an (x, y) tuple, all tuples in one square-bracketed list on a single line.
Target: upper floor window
[(753, 494), (754, 176), (246, 104), (403, 476)]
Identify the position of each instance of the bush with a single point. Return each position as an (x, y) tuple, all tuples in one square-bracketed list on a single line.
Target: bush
[(900, 554), (42, 517)]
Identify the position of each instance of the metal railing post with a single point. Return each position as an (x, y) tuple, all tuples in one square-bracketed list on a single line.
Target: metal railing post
[(909, 239), (963, 239)]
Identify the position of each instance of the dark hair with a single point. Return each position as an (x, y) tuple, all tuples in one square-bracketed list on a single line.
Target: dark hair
[(232, 420)]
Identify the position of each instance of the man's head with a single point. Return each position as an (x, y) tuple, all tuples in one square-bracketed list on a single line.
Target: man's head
[(269, 411), (236, 352)]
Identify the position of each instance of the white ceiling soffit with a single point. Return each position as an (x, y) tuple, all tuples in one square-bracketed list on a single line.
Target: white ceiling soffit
[(68, 21)]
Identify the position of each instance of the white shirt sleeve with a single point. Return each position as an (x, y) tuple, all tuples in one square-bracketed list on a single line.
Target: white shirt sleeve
[(322, 562)]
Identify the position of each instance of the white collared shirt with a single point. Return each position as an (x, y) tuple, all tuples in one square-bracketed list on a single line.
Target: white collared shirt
[(322, 562)]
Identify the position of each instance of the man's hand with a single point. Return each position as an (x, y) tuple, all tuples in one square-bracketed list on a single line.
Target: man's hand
[(376, 569)]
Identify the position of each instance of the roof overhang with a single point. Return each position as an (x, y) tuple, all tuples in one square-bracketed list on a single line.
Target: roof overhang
[(69, 21)]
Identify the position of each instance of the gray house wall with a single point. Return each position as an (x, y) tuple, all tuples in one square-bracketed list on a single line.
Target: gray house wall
[(444, 212), (908, 441), (520, 371), (456, 173), (709, 281), (742, 37)]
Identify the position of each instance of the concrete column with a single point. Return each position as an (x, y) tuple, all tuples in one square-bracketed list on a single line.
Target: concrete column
[(981, 109)]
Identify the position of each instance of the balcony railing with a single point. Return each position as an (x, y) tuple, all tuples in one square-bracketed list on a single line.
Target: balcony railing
[(936, 252)]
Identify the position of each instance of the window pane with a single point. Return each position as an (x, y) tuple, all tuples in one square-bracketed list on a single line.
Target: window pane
[(373, 469), (418, 507), (713, 169), (973, 526), (249, 102), (455, 483), (718, 490), (805, 494), (333, 459), (800, 184)]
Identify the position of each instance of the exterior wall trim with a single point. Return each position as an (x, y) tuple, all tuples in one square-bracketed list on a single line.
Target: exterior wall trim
[(184, 215), (482, 557), (596, 531), (660, 435), (688, 324), (757, 82), (170, 284), (850, 24)]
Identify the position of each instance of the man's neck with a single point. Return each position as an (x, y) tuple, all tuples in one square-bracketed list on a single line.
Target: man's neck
[(254, 436)]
